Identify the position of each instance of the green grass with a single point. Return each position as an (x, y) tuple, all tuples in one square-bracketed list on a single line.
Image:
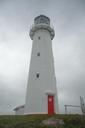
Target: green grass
[(34, 121)]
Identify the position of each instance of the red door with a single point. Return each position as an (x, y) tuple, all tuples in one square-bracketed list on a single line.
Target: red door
[(50, 104)]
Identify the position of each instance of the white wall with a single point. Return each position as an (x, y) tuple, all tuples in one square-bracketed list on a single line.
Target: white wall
[(36, 98)]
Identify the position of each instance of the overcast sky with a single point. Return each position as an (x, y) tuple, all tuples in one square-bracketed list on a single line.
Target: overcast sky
[(68, 19)]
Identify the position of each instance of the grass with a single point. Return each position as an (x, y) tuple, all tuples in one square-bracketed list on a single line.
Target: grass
[(34, 121)]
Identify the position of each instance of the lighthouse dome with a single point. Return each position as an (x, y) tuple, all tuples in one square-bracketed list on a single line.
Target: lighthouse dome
[(42, 19)]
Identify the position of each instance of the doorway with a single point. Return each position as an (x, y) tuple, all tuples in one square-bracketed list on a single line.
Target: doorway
[(51, 104)]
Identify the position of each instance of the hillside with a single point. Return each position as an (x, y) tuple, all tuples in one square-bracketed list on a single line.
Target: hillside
[(35, 121)]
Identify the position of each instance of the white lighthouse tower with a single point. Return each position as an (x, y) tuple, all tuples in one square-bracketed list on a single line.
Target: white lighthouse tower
[(41, 96)]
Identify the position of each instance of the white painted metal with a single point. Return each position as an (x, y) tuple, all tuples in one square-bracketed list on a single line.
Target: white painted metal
[(39, 87)]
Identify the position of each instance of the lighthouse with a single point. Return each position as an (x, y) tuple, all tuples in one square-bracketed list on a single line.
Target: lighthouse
[(41, 95)]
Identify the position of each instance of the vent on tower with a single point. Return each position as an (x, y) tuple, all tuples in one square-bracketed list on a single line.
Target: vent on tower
[(38, 54), (39, 37), (37, 75)]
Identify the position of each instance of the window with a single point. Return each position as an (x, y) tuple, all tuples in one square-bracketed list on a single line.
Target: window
[(39, 37), (37, 75), (38, 54)]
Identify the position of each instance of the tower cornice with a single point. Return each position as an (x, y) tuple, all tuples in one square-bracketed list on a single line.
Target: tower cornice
[(36, 27)]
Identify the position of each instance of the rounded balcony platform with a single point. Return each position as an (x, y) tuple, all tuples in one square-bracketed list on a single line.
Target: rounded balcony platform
[(36, 27)]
